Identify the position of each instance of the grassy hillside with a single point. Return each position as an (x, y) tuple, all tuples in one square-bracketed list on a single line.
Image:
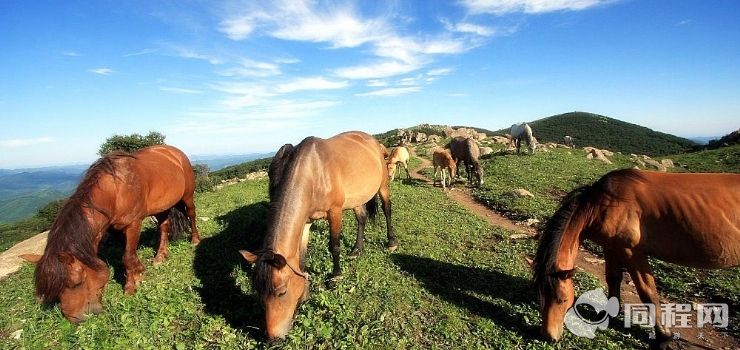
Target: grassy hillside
[(239, 170), (724, 159), (23, 206), (602, 132), (454, 282)]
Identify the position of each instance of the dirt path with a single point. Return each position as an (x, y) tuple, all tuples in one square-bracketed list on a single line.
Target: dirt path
[(691, 338), (9, 260)]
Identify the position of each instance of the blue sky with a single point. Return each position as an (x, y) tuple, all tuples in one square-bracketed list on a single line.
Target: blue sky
[(247, 76)]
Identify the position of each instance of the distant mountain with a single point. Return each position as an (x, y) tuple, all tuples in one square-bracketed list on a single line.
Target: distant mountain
[(703, 140), (595, 130), (24, 205), (218, 162), (26, 182)]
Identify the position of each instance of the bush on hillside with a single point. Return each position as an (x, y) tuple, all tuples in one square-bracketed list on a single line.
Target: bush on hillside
[(130, 143)]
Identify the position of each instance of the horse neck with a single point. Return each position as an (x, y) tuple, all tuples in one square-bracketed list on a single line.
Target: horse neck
[(571, 240), (289, 217)]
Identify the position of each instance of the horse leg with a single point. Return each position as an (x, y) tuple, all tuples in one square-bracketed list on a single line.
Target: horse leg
[(361, 215), (164, 231), (335, 229), (408, 174), (190, 206), (614, 275), (517, 143), (434, 177), (134, 268), (385, 200), (644, 281), (442, 170)]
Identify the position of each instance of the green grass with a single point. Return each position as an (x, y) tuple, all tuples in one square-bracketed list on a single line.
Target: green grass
[(548, 176), (724, 159), (454, 282), (551, 175)]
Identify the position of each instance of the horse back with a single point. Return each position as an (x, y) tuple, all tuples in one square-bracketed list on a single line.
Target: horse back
[(688, 219)]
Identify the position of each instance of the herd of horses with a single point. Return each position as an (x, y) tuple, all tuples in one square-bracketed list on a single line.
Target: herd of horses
[(686, 219)]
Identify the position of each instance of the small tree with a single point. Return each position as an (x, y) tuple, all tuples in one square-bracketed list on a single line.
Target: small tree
[(130, 143)]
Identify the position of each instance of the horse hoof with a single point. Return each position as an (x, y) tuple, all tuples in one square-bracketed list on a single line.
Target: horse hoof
[(355, 252), (158, 260), (333, 281), (194, 241), (392, 248)]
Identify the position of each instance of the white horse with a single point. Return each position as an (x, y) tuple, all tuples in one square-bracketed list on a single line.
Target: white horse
[(569, 141), (520, 132)]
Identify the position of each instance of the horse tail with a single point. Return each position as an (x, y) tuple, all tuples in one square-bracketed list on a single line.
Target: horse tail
[(372, 207), (179, 221)]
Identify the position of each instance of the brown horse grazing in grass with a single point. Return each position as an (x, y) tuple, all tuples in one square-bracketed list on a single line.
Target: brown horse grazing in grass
[(316, 179), (442, 161), (464, 149), (686, 219), (399, 155), (117, 192)]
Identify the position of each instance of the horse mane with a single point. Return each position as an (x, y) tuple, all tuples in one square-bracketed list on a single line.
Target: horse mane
[(71, 232), (262, 274), (583, 200)]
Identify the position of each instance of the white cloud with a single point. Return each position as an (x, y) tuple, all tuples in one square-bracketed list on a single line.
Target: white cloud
[(70, 53), (176, 90), (376, 70), (392, 91), (469, 28), (14, 143), (252, 68), (341, 26), (192, 54), (439, 71), (501, 7), (315, 83), (102, 71), (377, 83), (140, 52)]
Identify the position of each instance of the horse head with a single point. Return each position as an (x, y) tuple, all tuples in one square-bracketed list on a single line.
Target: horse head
[(282, 288), (77, 286)]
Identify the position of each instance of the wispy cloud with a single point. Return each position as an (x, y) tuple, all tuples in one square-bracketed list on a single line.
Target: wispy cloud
[(471, 28), (685, 22), (192, 54), (70, 53), (314, 83), (252, 68), (176, 90), (397, 91), (502, 7), (140, 52), (102, 71), (439, 71), (342, 26), (14, 143), (377, 83)]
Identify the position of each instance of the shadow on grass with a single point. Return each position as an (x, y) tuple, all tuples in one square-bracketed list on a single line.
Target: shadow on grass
[(457, 284), (112, 246), (217, 256)]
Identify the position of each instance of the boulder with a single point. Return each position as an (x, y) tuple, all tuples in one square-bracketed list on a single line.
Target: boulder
[(486, 150), (520, 192), (668, 163), (654, 164)]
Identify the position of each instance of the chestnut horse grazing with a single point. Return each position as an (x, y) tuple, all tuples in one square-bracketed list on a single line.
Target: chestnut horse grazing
[(464, 149), (686, 219), (399, 155), (442, 161), (117, 192), (316, 179)]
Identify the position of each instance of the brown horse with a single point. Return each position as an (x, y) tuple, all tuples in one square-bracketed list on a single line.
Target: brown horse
[(442, 161), (117, 192), (464, 149), (317, 179), (686, 219)]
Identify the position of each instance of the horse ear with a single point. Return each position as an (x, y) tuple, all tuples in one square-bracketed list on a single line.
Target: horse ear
[(529, 261), (249, 257), (66, 258), (278, 261), (32, 258)]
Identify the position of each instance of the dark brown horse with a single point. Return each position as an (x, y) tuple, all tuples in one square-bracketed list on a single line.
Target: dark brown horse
[(116, 193), (465, 150), (686, 219), (316, 179)]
